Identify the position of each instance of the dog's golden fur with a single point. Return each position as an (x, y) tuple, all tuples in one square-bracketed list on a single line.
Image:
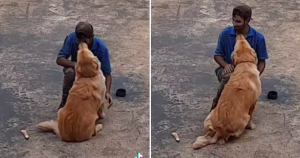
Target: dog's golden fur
[(238, 100), (76, 121)]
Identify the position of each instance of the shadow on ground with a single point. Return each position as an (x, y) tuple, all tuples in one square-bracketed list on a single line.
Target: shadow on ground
[(184, 37)]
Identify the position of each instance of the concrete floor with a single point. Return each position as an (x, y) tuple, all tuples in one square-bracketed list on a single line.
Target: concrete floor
[(31, 35), (184, 36)]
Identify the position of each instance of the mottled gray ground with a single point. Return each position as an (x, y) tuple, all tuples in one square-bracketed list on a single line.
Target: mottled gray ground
[(30, 38), (184, 36)]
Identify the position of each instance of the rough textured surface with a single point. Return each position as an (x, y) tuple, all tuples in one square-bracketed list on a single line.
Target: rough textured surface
[(32, 32), (184, 36)]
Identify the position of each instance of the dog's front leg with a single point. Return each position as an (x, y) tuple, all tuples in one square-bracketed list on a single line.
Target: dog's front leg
[(100, 111), (250, 124)]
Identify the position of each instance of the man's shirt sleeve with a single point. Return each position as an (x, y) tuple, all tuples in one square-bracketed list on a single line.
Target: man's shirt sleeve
[(220, 46), (65, 51), (261, 49)]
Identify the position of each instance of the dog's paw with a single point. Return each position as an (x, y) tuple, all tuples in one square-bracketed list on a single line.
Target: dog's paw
[(251, 125), (99, 127)]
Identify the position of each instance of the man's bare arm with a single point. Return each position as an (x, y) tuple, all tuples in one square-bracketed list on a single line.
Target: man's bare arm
[(220, 60), (108, 82), (261, 66), (65, 62)]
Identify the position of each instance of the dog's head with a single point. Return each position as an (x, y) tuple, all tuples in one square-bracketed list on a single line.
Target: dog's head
[(87, 63), (243, 51)]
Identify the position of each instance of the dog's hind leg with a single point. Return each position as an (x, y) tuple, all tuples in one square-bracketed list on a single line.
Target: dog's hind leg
[(222, 139), (243, 123), (207, 123), (215, 138), (250, 124)]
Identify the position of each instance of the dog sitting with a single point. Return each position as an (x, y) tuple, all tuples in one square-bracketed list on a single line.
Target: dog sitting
[(238, 100), (76, 121)]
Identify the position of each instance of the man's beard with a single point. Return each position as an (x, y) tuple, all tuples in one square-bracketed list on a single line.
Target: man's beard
[(240, 29)]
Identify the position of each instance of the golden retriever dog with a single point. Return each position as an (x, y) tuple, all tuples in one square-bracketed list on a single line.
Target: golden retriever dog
[(238, 100), (76, 121)]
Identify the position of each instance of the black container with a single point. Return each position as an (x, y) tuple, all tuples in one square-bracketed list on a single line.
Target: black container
[(272, 95), (121, 92)]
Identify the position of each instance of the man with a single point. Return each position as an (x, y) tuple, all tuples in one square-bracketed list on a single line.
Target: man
[(241, 16), (84, 32)]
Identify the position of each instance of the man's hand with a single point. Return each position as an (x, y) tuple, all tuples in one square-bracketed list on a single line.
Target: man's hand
[(108, 98), (108, 80), (228, 68), (73, 64)]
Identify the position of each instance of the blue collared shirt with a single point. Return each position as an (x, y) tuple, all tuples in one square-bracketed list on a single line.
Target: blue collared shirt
[(227, 40), (70, 48)]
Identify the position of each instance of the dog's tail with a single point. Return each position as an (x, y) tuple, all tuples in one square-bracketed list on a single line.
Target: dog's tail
[(210, 137), (49, 126), (210, 134)]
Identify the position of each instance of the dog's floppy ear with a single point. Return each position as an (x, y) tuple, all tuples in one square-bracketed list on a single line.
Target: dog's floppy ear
[(96, 65), (78, 68), (233, 55)]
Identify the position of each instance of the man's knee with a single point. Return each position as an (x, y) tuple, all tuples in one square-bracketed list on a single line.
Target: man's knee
[(69, 78), (219, 73), (222, 76), (226, 76)]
